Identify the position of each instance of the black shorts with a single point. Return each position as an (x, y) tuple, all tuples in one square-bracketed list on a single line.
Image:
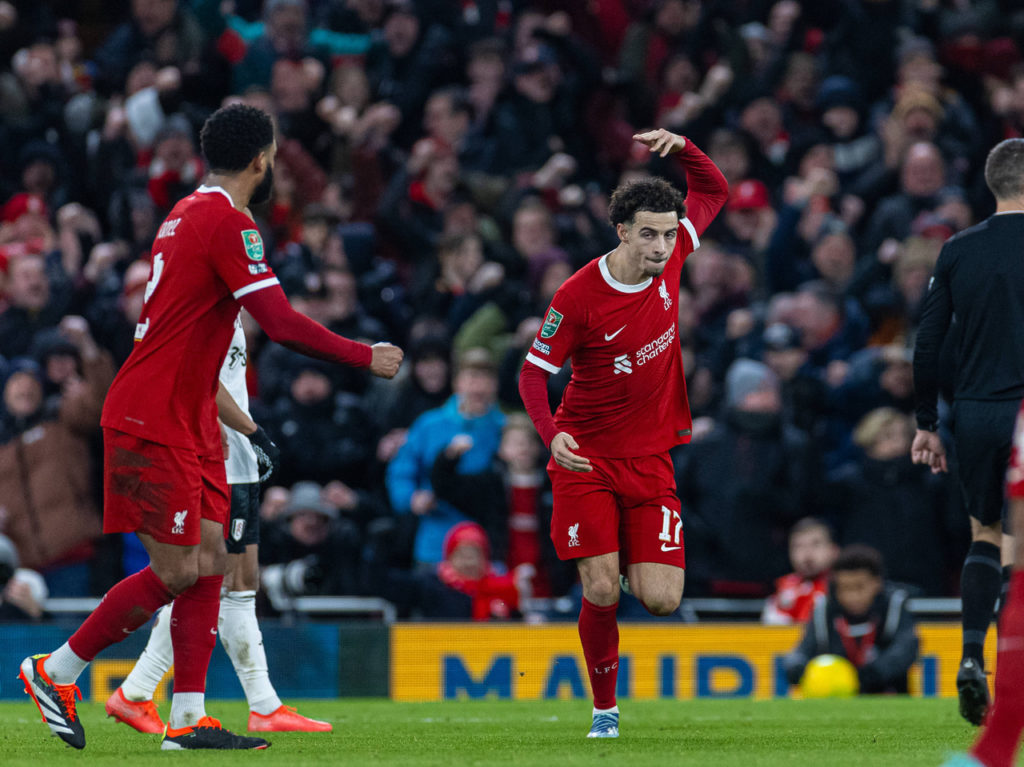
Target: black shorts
[(983, 435), (244, 527)]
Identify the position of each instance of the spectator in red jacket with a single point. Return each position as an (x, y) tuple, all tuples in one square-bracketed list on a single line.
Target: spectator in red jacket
[(811, 552)]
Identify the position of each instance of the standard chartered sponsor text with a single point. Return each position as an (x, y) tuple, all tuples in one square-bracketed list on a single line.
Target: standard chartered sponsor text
[(653, 348)]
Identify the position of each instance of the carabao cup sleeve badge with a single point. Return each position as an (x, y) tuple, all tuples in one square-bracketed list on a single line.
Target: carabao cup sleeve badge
[(551, 323), (253, 244)]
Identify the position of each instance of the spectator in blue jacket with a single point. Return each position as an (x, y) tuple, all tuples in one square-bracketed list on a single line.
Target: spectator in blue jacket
[(470, 413)]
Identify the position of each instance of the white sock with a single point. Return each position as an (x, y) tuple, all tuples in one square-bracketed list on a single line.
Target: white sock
[(612, 710), (149, 669), (63, 666), (240, 634), (187, 708)]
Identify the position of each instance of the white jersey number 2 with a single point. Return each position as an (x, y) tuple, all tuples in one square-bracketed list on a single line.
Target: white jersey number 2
[(158, 270)]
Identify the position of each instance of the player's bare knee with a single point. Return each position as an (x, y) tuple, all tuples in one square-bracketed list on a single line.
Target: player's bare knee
[(213, 559), (181, 577), (602, 592), (662, 604)]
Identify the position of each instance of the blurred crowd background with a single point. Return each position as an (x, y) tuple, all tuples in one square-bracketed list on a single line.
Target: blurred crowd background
[(443, 166)]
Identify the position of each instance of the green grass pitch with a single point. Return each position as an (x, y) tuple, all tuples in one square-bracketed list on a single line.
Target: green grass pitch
[(720, 733)]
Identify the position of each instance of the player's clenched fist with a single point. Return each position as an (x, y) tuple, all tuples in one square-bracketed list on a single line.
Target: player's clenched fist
[(387, 358)]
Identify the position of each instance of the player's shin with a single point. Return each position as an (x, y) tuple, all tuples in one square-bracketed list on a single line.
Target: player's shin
[(193, 635), (599, 635), (125, 607), (240, 634), (156, 659)]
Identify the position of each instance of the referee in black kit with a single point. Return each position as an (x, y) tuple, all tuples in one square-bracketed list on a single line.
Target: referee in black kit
[(979, 279)]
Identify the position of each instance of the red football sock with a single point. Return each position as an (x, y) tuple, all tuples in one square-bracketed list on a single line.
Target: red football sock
[(124, 608), (599, 635), (998, 742), (194, 632)]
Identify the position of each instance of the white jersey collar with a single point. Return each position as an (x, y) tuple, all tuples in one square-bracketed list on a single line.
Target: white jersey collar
[(204, 189), (622, 287)]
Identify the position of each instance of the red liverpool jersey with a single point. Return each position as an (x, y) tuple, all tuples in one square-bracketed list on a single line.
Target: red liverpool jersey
[(206, 255), (627, 395), (1015, 476)]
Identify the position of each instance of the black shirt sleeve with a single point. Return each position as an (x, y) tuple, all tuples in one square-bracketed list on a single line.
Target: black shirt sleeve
[(935, 319)]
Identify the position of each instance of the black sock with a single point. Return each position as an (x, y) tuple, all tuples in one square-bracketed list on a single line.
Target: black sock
[(1004, 592), (980, 582)]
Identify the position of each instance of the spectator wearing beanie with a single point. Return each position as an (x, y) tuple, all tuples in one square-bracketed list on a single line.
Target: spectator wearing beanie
[(752, 473)]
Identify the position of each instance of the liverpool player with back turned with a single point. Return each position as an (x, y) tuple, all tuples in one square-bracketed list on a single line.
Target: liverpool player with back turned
[(164, 475), (615, 503)]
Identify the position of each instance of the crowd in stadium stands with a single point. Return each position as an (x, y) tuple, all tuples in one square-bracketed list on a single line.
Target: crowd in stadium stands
[(443, 166)]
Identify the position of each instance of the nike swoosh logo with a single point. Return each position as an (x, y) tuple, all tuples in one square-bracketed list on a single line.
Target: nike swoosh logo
[(670, 548), (610, 336)]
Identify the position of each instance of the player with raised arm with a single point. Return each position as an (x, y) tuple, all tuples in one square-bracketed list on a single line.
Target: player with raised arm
[(615, 503), (251, 459), (163, 461)]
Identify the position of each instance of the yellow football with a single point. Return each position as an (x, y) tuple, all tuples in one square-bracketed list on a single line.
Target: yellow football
[(829, 676)]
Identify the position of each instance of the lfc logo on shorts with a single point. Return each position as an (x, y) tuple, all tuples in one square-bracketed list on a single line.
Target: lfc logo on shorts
[(237, 529), (179, 522), (574, 536)]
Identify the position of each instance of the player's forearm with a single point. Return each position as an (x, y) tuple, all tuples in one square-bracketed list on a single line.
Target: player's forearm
[(706, 187), (270, 308), (533, 389), (231, 415)]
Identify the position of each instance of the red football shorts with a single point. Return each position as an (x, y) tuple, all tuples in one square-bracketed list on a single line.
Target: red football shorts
[(160, 490), (627, 505)]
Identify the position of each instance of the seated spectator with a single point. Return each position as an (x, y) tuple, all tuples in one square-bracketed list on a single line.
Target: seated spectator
[(162, 30), (803, 392), (22, 591), (460, 282), (511, 500), (466, 569), (34, 302), (176, 167), (749, 218), (115, 315), (425, 385), (471, 411), (407, 60), (923, 179), (811, 552), (464, 584), (885, 501), (736, 530), (321, 431), (855, 150), (284, 33), (46, 472), (308, 549), (863, 619), (411, 209), (830, 328)]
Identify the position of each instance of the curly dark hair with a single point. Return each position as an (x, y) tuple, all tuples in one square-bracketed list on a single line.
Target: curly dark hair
[(651, 194), (233, 135), (860, 557)]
